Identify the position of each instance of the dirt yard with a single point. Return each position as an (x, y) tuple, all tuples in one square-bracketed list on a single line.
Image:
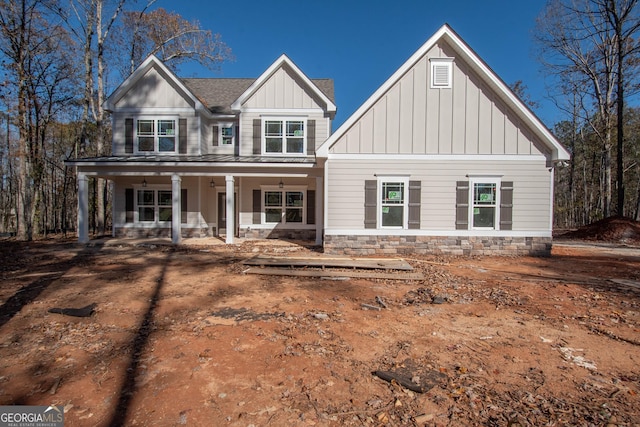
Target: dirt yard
[(180, 336)]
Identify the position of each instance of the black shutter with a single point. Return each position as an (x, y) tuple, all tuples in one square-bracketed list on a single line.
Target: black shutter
[(216, 132), (311, 137), (506, 205), (237, 135), (370, 203), (128, 204), (257, 206), (311, 206), (462, 205), (183, 206), (128, 136), (182, 136), (257, 136), (415, 194)]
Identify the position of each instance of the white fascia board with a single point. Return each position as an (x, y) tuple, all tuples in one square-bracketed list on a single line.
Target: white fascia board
[(139, 72), (439, 157), (282, 60), (239, 165)]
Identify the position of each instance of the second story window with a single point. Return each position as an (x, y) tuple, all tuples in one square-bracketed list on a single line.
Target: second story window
[(284, 136), (156, 136)]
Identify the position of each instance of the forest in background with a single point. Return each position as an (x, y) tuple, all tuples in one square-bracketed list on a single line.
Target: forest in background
[(55, 79)]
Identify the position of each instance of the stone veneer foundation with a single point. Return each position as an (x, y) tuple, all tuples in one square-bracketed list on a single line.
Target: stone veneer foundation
[(450, 245)]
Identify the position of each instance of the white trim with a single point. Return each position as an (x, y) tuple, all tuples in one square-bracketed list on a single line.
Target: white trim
[(193, 165), (151, 111), (283, 120), (436, 233), (286, 188), (558, 152), (281, 111), (440, 62), (439, 157), (404, 179), (140, 72), (156, 136), (480, 179), (280, 62)]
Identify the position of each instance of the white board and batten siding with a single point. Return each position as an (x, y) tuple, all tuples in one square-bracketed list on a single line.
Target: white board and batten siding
[(282, 95), (413, 118)]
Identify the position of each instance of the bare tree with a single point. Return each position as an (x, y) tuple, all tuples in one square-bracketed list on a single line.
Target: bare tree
[(591, 44)]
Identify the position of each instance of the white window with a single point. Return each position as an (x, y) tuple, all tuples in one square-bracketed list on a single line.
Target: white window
[(484, 204), (156, 135), (226, 135), (284, 136), (283, 206), (393, 202), (441, 73), (154, 206)]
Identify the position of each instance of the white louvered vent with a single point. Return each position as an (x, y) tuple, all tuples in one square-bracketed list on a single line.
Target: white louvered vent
[(441, 73)]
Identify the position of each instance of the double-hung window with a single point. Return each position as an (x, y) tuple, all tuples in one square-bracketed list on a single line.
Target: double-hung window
[(156, 135), (284, 136), (485, 203), (284, 206), (393, 203), (154, 206)]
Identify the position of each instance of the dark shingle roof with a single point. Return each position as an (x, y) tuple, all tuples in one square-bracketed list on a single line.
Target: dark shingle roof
[(218, 94)]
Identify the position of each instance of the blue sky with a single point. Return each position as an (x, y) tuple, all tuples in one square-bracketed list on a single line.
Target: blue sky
[(359, 44)]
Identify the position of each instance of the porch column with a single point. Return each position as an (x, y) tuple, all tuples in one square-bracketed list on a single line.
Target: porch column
[(83, 208), (176, 211), (231, 212), (319, 209)]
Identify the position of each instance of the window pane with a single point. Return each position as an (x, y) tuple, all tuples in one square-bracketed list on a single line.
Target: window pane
[(273, 198), (274, 145), (167, 143), (294, 198), (392, 193), (294, 215), (484, 194), (295, 145), (164, 197), (295, 128), (227, 135), (484, 216), (164, 214), (166, 127), (145, 143), (145, 127), (145, 197), (273, 215), (273, 128), (392, 216), (146, 214)]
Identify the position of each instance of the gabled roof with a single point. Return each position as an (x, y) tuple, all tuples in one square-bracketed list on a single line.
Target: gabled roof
[(151, 62), (217, 94), (283, 60), (487, 75)]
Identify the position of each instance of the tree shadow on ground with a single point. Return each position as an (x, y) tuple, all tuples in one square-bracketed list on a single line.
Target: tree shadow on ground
[(145, 329), (27, 294)]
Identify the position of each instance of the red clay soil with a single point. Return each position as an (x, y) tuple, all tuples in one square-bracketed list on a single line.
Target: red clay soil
[(611, 230), (182, 336)]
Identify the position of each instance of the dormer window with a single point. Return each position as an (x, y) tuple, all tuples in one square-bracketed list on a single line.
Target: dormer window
[(441, 73)]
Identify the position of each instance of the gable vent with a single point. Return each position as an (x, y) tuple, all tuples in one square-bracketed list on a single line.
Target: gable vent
[(441, 72)]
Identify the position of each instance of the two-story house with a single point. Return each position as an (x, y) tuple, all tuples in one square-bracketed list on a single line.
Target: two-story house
[(215, 156), (443, 158)]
